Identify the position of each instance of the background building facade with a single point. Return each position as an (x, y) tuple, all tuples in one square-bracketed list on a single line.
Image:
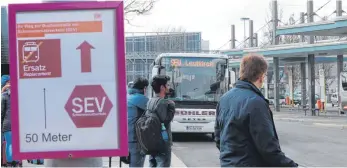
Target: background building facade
[(4, 41), (143, 48), (4, 36)]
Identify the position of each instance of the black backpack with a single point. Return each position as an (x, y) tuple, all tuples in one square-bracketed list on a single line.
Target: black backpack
[(148, 132)]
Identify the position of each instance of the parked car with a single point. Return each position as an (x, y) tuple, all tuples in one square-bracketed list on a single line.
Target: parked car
[(297, 99)]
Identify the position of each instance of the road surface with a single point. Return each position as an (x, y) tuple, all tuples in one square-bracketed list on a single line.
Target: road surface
[(307, 143)]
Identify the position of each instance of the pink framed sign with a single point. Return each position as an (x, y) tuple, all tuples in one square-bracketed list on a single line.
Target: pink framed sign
[(67, 68)]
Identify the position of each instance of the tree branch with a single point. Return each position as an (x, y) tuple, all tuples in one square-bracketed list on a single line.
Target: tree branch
[(138, 7)]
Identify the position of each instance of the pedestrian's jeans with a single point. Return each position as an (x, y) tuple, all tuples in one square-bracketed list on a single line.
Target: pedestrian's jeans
[(161, 160), (137, 159), (8, 139)]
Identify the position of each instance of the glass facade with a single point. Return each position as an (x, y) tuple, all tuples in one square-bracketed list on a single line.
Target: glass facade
[(170, 42), (138, 68), (141, 50), (4, 36)]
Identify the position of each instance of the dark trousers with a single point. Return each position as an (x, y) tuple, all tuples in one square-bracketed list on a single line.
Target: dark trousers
[(162, 159), (137, 159)]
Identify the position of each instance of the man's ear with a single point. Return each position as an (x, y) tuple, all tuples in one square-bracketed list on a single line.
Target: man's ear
[(260, 80)]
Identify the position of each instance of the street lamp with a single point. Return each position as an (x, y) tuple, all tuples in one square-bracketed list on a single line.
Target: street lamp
[(244, 19)]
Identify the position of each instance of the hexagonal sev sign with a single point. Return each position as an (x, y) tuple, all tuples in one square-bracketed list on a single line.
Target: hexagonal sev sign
[(88, 106)]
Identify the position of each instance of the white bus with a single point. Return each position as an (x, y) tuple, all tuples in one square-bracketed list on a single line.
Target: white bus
[(197, 82), (343, 92)]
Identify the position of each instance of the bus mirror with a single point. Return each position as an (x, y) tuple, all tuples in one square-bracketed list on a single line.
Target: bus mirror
[(220, 65), (215, 86), (155, 70), (162, 70), (158, 70), (232, 78)]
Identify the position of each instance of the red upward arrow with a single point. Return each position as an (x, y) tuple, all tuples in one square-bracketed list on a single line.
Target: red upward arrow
[(86, 56)]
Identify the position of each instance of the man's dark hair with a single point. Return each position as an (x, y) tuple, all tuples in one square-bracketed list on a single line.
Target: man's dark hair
[(252, 67), (159, 80), (140, 83)]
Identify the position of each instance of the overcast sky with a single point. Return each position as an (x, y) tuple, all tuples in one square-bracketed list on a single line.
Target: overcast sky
[(214, 17)]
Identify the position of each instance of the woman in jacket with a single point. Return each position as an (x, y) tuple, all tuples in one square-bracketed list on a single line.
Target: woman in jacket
[(6, 118)]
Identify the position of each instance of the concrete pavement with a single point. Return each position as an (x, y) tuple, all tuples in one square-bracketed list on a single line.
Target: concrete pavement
[(196, 150), (175, 162), (309, 140), (306, 143), (324, 119), (312, 146)]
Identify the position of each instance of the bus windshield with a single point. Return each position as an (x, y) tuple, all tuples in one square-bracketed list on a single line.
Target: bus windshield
[(194, 79), (344, 80)]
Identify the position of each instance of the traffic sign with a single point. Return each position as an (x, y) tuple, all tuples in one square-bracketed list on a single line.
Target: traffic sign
[(88, 106), (67, 67)]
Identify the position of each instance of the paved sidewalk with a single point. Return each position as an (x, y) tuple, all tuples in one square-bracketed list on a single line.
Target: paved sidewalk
[(175, 162), (326, 120)]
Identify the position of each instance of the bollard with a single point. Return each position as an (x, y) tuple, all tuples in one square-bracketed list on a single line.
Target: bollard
[(319, 104), (287, 100)]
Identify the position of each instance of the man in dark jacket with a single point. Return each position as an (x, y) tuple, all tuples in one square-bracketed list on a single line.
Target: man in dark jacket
[(166, 111), (245, 132), (137, 104)]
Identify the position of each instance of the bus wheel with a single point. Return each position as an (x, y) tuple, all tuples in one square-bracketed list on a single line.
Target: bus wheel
[(212, 135)]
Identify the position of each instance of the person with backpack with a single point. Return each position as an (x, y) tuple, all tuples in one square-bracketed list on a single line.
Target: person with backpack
[(153, 129), (6, 120), (137, 104)]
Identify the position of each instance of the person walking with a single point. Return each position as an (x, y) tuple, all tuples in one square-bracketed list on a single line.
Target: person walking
[(245, 132), (137, 105), (6, 120), (166, 111)]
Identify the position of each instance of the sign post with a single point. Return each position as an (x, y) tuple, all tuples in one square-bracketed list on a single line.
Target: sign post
[(67, 72)]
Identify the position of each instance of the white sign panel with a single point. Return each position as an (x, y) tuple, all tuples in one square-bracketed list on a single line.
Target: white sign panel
[(68, 81)]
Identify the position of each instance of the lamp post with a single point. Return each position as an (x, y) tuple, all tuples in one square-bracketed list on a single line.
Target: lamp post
[(244, 19)]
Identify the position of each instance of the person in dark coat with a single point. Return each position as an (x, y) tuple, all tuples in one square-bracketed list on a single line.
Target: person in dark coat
[(245, 132)]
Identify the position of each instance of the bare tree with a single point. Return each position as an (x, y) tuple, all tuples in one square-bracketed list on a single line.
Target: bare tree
[(137, 7), (319, 38), (267, 32), (171, 39), (286, 39), (295, 70), (329, 78), (327, 67), (170, 30)]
